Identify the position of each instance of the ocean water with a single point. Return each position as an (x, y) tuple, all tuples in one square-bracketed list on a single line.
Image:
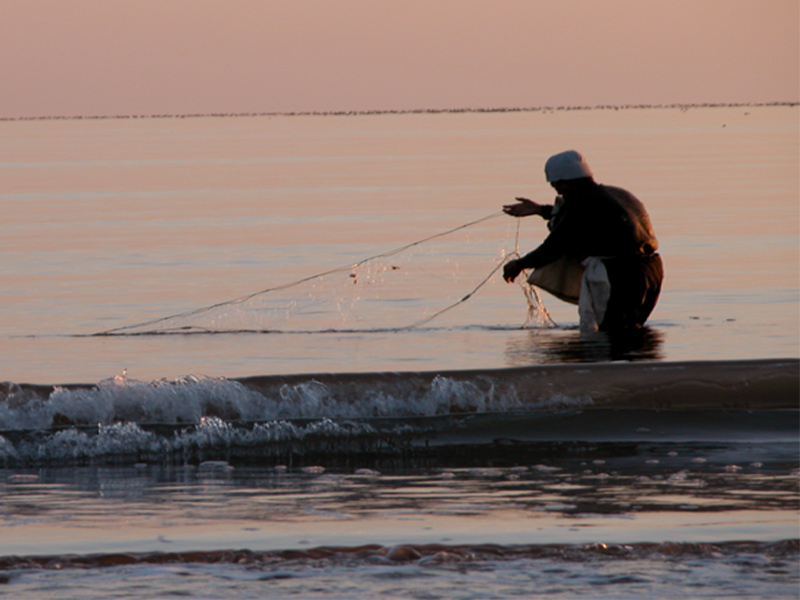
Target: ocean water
[(273, 356)]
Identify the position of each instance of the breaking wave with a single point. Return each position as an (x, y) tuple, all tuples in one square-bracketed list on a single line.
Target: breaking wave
[(208, 418)]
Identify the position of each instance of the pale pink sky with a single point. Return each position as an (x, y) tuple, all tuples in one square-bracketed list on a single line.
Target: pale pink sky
[(115, 57)]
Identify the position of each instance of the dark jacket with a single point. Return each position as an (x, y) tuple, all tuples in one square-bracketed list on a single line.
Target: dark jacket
[(596, 220)]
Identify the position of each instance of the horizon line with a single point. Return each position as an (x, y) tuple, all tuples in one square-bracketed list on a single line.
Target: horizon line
[(351, 113)]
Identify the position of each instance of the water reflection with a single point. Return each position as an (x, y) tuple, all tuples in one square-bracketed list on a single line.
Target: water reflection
[(571, 479), (570, 346)]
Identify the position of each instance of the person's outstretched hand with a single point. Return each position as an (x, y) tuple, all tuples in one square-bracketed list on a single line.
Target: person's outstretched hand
[(511, 269), (523, 208)]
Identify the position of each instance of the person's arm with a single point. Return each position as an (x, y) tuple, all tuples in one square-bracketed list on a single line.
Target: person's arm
[(551, 249), (525, 207)]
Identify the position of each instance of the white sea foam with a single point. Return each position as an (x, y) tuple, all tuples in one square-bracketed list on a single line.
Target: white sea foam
[(202, 418), (193, 400), (129, 441)]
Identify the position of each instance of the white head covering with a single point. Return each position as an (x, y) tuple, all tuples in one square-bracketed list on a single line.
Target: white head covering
[(566, 165)]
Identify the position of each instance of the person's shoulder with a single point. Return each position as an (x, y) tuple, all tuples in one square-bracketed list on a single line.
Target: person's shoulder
[(620, 195), (626, 201), (613, 190)]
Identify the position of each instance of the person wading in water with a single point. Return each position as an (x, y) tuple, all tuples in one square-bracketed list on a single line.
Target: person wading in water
[(601, 253)]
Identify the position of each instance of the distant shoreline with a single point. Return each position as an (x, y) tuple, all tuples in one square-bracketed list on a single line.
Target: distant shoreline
[(356, 113)]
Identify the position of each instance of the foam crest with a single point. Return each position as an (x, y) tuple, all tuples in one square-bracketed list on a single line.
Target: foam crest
[(194, 418), (193, 400), (127, 442), (186, 400), (121, 440), (311, 399)]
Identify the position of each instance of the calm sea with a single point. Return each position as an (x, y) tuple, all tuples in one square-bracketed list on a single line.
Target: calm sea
[(273, 356)]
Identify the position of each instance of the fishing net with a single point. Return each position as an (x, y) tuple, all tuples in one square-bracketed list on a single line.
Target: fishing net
[(402, 288)]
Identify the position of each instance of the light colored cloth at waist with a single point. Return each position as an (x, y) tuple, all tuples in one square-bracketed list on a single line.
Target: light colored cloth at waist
[(594, 295), (561, 278)]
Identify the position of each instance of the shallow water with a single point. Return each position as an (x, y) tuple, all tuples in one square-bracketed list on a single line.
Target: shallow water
[(412, 531), (668, 571), (501, 493), (484, 465), (108, 223)]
